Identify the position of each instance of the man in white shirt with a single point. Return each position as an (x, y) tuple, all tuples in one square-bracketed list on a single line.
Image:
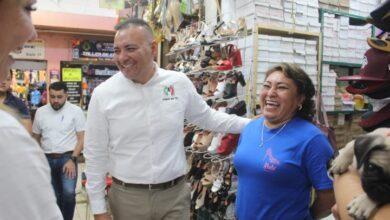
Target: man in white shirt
[(59, 128), (135, 132)]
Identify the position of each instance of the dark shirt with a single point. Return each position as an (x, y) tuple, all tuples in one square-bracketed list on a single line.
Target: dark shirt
[(17, 104)]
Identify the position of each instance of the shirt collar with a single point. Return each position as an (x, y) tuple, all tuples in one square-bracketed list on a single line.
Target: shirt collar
[(60, 110), (151, 80)]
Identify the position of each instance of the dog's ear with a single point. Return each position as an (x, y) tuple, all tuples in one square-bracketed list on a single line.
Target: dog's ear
[(365, 144)]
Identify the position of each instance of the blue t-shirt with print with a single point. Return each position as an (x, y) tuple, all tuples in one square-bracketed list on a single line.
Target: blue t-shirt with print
[(275, 180)]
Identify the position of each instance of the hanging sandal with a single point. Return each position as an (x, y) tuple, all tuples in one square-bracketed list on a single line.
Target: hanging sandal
[(215, 143), (201, 197), (205, 142)]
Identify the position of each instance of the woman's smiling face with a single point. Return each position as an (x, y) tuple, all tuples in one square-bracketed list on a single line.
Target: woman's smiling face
[(17, 27), (279, 98)]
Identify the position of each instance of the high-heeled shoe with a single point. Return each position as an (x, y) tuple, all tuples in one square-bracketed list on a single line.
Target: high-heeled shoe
[(201, 197), (240, 78), (205, 142)]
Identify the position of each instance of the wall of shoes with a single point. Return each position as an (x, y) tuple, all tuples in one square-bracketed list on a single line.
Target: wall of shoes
[(209, 56)]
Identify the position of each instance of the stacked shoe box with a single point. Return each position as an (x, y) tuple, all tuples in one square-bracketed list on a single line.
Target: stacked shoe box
[(291, 14), (362, 7), (328, 87), (275, 49), (344, 42)]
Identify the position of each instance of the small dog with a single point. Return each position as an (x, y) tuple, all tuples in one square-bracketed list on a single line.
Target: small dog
[(372, 159)]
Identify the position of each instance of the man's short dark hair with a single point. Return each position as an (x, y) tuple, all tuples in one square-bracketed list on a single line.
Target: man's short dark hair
[(133, 22), (58, 86)]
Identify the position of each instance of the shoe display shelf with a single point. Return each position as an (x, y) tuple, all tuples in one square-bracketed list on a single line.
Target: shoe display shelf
[(343, 42), (214, 42), (209, 154)]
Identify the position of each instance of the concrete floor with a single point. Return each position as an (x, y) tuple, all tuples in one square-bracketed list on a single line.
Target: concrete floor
[(82, 211)]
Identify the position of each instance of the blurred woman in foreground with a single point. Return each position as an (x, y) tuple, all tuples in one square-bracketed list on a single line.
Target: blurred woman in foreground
[(25, 187)]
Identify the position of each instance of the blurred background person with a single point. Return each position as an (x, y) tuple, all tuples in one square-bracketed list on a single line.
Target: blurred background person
[(8, 99)]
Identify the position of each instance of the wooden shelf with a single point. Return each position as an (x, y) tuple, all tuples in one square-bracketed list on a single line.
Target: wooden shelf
[(342, 13), (286, 32), (347, 112), (354, 65)]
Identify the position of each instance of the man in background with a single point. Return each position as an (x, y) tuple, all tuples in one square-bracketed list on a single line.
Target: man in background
[(59, 128)]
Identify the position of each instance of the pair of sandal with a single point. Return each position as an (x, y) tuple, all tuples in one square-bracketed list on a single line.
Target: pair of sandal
[(201, 141)]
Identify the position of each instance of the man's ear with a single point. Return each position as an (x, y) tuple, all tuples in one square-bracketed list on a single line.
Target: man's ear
[(154, 47)]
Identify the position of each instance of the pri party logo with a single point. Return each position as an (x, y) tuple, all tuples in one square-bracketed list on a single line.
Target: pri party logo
[(169, 90)]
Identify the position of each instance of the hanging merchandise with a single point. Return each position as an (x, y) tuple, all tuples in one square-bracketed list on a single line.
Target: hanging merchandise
[(187, 7), (42, 76), (35, 97), (27, 85), (174, 18), (34, 77)]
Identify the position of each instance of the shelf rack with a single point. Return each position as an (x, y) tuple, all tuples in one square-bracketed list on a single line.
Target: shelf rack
[(343, 64), (322, 12)]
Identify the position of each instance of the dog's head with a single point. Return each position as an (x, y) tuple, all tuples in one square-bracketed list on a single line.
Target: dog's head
[(372, 153)]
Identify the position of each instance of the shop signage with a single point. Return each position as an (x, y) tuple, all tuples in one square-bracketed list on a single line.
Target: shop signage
[(71, 74), (32, 50), (100, 70), (74, 92), (94, 49)]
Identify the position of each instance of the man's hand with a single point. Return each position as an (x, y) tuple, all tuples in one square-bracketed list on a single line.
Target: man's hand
[(104, 216), (69, 169)]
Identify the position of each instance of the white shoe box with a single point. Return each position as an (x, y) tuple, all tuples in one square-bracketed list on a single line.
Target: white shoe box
[(329, 90), (276, 14), (328, 81)]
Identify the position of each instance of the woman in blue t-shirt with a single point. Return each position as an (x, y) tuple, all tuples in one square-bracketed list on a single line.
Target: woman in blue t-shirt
[(281, 156)]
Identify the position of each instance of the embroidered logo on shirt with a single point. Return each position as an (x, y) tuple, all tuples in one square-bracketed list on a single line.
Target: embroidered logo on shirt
[(270, 162), (169, 92)]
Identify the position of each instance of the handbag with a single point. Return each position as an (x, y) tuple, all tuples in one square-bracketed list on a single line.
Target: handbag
[(321, 121)]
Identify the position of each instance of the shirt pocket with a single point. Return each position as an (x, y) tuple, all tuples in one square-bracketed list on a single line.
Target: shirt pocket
[(172, 109), (67, 125)]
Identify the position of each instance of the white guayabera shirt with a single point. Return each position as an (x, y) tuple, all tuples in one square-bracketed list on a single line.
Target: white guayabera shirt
[(135, 132)]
